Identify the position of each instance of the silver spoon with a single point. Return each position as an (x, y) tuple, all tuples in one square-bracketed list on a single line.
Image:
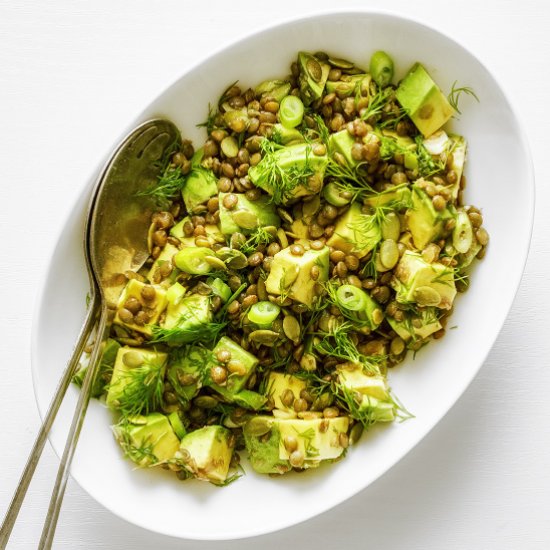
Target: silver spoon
[(115, 241)]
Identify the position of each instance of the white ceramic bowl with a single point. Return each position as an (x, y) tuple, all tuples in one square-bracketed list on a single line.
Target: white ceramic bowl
[(500, 181)]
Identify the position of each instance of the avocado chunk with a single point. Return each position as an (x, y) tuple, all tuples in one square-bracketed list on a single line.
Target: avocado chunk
[(247, 215), (423, 283), (376, 410), (200, 185), (354, 377), (241, 365), (247, 399), (278, 383), (423, 101), (316, 439), (313, 77), (355, 232), (291, 275), (342, 142), (128, 368), (426, 324), (105, 370), (165, 256), (290, 172), (424, 221), (185, 371), (206, 453), (147, 440), (154, 307), (188, 316), (277, 89), (286, 136), (399, 196)]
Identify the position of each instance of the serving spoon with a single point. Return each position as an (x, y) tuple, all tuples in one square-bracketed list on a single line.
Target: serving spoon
[(115, 241)]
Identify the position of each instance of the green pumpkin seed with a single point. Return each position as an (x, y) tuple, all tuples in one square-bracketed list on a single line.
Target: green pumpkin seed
[(340, 63), (245, 219), (314, 69), (133, 359), (380, 267), (264, 337), (355, 433), (229, 147), (427, 296), (391, 227), (206, 402), (282, 237), (216, 263), (308, 362), (291, 328), (284, 215), (310, 208), (377, 316), (257, 426), (389, 253)]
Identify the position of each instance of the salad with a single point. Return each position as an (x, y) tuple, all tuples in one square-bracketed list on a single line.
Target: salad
[(316, 239)]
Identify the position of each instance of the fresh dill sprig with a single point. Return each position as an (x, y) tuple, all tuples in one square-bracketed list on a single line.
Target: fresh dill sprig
[(142, 455), (322, 130), (456, 93), (168, 187), (377, 103), (142, 388), (348, 178), (427, 165), (178, 335), (209, 123), (260, 236)]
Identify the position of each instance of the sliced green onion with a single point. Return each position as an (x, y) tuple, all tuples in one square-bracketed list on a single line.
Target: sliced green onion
[(291, 111), (177, 424), (175, 293), (263, 313), (192, 260), (219, 288), (352, 298), (335, 195)]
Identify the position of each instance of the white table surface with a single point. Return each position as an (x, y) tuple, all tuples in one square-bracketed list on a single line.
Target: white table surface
[(73, 74)]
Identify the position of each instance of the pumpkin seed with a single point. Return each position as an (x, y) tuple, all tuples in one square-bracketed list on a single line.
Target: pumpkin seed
[(340, 63), (380, 267), (397, 346), (133, 359), (205, 402), (391, 226), (427, 296), (389, 253), (308, 362), (264, 337), (257, 426), (462, 233), (216, 262), (355, 433), (377, 316), (291, 328), (282, 237), (284, 215), (314, 69), (229, 147), (234, 259), (245, 219), (261, 290), (310, 208)]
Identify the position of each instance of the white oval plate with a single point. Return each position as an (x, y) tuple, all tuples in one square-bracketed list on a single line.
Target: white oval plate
[(500, 180)]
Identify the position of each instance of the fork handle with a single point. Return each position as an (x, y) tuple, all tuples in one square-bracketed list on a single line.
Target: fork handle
[(36, 451), (58, 492)]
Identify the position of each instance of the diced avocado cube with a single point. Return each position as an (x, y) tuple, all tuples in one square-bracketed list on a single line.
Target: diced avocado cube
[(247, 215), (401, 195), (355, 377), (207, 452), (153, 308), (244, 364), (298, 162), (105, 370), (189, 315), (377, 410), (147, 440), (354, 234), (423, 101), (429, 323), (128, 360), (278, 383), (286, 136), (313, 77), (291, 275), (184, 371), (277, 89), (213, 233), (342, 142), (316, 440), (299, 229), (166, 255), (247, 399), (424, 221), (200, 185), (423, 283)]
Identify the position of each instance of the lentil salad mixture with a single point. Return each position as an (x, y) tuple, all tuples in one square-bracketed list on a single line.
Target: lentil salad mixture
[(317, 238)]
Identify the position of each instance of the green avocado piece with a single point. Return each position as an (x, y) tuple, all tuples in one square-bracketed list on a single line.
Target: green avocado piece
[(278, 383), (235, 381), (200, 185), (277, 89), (298, 162), (377, 410), (247, 399), (401, 195), (123, 374), (166, 255), (429, 323), (147, 440), (423, 283), (105, 370), (349, 235), (213, 233), (424, 221), (190, 314), (291, 274), (247, 215), (286, 136), (355, 378), (342, 142), (206, 453), (190, 363), (313, 77), (177, 424), (423, 101), (317, 439)]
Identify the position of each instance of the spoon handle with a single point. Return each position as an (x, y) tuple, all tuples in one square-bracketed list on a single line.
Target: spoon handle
[(36, 451), (56, 500)]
